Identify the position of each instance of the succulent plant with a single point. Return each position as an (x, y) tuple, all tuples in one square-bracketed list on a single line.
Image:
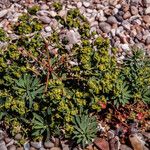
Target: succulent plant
[(85, 129)]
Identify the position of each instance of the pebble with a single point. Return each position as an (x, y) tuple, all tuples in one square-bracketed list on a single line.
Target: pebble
[(2, 145), (127, 15), (125, 47), (125, 7), (26, 146), (73, 37), (45, 19), (125, 147), (32, 148), (3, 12), (18, 136), (147, 42), (10, 143), (48, 144), (62, 13), (114, 11), (65, 146), (44, 7), (134, 10), (86, 4), (112, 20), (79, 4), (146, 3), (20, 148), (12, 147), (105, 27), (146, 19), (101, 144), (42, 148), (36, 144), (48, 29), (53, 13), (55, 148), (147, 11)]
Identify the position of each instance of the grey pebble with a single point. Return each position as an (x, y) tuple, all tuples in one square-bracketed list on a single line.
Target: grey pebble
[(105, 27), (45, 19)]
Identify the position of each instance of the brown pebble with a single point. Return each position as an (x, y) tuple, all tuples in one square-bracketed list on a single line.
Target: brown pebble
[(146, 19), (12, 147), (127, 15), (125, 7)]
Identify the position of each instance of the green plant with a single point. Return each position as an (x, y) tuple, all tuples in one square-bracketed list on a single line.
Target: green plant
[(33, 9), (136, 73), (40, 126), (57, 6), (85, 129), (29, 88), (121, 94), (27, 25), (3, 36)]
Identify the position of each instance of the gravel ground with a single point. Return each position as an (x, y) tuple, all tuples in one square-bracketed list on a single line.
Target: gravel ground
[(125, 22)]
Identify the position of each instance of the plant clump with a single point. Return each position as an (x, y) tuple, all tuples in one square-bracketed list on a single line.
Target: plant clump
[(42, 93)]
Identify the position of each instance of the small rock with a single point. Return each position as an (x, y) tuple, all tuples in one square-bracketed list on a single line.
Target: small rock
[(48, 29), (62, 13), (102, 144), (110, 134), (125, 47), (113, 2), (55, 148), (54, 24), (18, 136), (10, 143), (146, 19), (73, 37), (7, 140), (20, 148), (79, 4), (45, 19), (114, 143), (112, 20), (146, 135), (125, 147), (134, 10), (2, 145), (125, 7), (65, 147), (48, 144), (1, 135), (36, 144), (127, 15), (44, 7), (147, 42), (32, 148), (26, 146), (86, 4), (114, 11), (42, 148), (3, 12), (146, 3), (53, 13), (12, 147), (136, 142), (147, 11), (105, 27)]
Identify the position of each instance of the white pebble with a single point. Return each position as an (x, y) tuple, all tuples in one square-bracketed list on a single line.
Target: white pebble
[(86, 4), (79, 4), (48, 29), (125, 47)]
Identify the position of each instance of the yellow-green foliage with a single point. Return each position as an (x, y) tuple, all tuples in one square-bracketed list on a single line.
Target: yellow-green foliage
[(3, 36), (95, 78)]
